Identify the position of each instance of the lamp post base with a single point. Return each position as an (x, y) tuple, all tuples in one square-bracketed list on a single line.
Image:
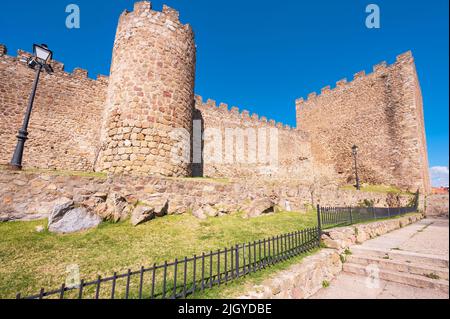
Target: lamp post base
[(12, 167)]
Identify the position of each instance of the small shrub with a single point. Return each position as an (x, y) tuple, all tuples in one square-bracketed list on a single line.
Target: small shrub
[(348, 252), (432, 276), (343, 258), (325, 284)]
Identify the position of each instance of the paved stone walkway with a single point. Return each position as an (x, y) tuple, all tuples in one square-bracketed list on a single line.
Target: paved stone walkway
[(429, 236)]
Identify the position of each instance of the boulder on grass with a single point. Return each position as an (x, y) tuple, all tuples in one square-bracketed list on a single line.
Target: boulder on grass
[(261, 207), (142, 214), (71, 220), (117, 208), (199, 213), (159, 203)]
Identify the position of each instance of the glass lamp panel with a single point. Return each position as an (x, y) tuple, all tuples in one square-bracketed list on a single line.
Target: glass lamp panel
[(42, 53)]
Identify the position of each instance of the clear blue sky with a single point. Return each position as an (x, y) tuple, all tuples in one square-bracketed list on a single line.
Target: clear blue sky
[(262, 55)]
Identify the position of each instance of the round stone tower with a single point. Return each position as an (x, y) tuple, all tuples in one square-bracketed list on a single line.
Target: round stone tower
[(150, 100)]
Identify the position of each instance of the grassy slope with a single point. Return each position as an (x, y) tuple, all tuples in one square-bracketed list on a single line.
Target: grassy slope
[(31, 260)]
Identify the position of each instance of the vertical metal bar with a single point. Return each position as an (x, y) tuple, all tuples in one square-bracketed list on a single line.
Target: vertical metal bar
[(141, 282), (218, 267), (261, 259), (97, 290), (210, 269), (164, 280), (41, 293), (175, 279), (63, 288), (194, 267), (185, 278), (232, 262), (351, 216), (319, 221), (254, 254), (152, 295), (127, 289), (237, 261), (113, 288), (249, 257), (203, 271), (243, 260), (226, 265), (80, 292)]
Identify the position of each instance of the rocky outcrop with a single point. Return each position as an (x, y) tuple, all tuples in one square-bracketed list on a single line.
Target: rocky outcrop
[(66, 218), (261, 207), (25, 196), (142, 214)]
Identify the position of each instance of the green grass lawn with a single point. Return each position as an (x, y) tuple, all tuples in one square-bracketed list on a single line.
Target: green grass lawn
[(30, 260)]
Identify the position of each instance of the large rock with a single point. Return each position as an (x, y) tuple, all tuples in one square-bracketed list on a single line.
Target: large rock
[(68, 220), (60, 207), (117, 208), (260, 207), (159, 203), (199, 213), (142, 214)]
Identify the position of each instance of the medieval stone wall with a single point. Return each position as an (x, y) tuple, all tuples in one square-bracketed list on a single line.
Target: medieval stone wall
[(382, 114), (237, 144), (64, 131)]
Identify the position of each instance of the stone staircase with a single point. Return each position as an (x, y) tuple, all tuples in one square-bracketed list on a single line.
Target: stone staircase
[(414, 269)]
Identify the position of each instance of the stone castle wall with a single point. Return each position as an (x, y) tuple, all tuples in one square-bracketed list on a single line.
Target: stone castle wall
[(237, 144), (382, 114), (184, 194), (64, 131), (150, 93), (132, 122)]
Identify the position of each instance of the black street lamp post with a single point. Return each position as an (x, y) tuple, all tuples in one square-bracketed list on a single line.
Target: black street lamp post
[(40, 60), (355, 156)]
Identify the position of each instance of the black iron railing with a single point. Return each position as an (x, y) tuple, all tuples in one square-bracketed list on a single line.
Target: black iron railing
[(188, 276), (329, 217), (344, 216)]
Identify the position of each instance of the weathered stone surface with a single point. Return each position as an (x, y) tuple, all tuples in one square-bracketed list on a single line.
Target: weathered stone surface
[(199, 213), (438, 205), (159, 203), (142, 214), (344, 237), (73, 220), (260, 207), (301, 280), (60, 208), (117, 208), (124, 192)]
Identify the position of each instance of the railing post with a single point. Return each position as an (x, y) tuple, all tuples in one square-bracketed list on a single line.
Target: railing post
[(351, 215), (373, 213), (237, 261), (319, 222)]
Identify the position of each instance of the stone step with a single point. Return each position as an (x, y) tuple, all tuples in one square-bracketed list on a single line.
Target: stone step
[(399, 277), (401, 256), (400, 266)]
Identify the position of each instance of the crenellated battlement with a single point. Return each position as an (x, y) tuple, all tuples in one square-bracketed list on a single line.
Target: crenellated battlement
[(377, 70), (58, 67), (224, 110), (168, 16)]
